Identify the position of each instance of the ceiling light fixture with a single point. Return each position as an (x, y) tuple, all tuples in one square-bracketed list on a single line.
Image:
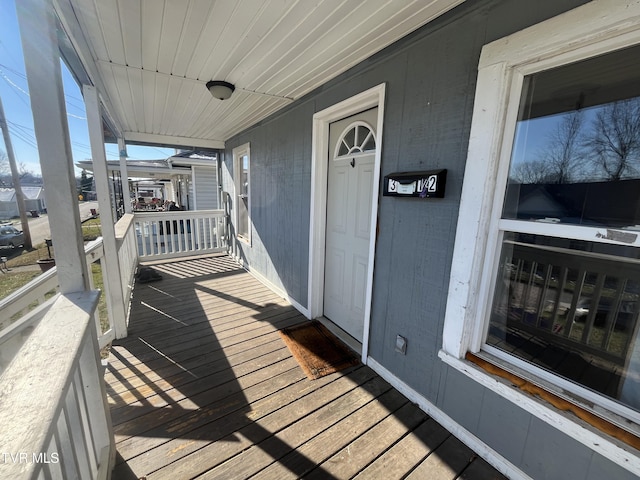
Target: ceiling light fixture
[(220, 89)]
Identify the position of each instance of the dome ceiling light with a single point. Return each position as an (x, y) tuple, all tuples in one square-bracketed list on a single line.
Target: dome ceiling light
[(220, 89)]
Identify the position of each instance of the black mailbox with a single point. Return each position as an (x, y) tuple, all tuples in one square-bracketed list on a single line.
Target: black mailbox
[(429, 184)]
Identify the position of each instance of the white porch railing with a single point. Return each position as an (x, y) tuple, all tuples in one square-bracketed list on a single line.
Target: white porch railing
[(56, 420), (16, 306), (32, 294), (127, 254), (105, 333), (55, 416), (180, 233), (575, 299), (143, 235)]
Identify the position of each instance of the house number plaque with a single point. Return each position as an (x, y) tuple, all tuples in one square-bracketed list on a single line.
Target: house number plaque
[(429, 184)]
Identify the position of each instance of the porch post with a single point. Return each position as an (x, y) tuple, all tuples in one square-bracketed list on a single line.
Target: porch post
[(111, 265), (124, 175), (37, 22)]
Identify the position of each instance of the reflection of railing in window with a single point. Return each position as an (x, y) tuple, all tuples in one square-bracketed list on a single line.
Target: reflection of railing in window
[(584, 302)]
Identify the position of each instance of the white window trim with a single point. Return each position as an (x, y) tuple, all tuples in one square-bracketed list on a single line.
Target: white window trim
[(593, 29), (238, 152)]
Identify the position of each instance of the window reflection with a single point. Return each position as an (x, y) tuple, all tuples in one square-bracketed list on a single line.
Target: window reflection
[(576, 154), (571, 307)]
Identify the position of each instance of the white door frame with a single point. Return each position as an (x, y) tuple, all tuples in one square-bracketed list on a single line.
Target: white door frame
[(374, 97)]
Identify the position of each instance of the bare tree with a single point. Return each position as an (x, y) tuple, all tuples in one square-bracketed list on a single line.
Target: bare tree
[(615, 139), (535, 171), (5, 171), (562, 154), (559, 159)]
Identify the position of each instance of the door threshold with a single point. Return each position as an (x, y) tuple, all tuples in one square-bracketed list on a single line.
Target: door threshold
[(343, 336)]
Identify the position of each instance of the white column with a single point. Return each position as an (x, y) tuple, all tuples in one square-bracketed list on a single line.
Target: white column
[(124, 175), (111, 266), (194, 200), (37, 22)]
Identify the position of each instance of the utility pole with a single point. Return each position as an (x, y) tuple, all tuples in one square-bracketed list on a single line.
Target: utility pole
[(16, 179)]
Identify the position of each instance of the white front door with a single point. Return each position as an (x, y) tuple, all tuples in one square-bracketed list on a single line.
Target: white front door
[(352, 144)]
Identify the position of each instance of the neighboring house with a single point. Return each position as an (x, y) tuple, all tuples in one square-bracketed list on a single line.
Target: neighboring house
[(519, 336), (189, 178), (33, 198)]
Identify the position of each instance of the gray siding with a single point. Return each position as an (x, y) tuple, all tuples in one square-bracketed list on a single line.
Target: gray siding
[(430, 78), (279, 185)]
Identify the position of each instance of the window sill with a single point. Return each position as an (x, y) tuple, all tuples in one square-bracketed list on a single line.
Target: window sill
[(245, 240), (596, 433)]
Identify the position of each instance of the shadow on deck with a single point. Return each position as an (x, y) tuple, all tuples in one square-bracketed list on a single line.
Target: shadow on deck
[(204, 387)]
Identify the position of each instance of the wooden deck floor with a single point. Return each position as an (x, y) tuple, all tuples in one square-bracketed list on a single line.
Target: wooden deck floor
[(204, 387)]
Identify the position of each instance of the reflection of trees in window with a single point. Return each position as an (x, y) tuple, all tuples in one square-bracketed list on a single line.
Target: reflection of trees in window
[(562, 154), (597, 144), (534, 171), (614, 140)]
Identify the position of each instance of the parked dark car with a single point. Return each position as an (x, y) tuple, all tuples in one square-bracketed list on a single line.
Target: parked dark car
[(10, 236)]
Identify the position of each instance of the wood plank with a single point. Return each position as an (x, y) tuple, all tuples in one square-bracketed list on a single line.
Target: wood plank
[(447, 462), (228, 426), (204, 373), (199, 392), (147, 314), (187, 313), (130, 354), (233, 343), (254, 297), (224, 339), (353, 458), (410, 450), (185, 434), (206, 388), (285, 441), (338, 436), (228, 320), (175, 284), (187, 423), (264, 423), (172, 374), (183, 333), (125, 368)]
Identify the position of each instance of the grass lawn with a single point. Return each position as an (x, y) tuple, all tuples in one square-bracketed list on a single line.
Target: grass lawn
[(91, 229), (30, 257), (12, 281)]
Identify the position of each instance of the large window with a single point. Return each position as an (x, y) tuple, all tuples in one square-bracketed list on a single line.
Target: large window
[(570, 306), (546, 271), (241, 161)]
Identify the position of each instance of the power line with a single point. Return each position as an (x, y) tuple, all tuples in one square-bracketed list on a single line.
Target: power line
[(14, 71), (67, 98), (21, 132), (15, 87)]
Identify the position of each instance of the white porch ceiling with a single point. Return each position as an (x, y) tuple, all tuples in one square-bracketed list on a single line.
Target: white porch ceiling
[(150, 59)]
